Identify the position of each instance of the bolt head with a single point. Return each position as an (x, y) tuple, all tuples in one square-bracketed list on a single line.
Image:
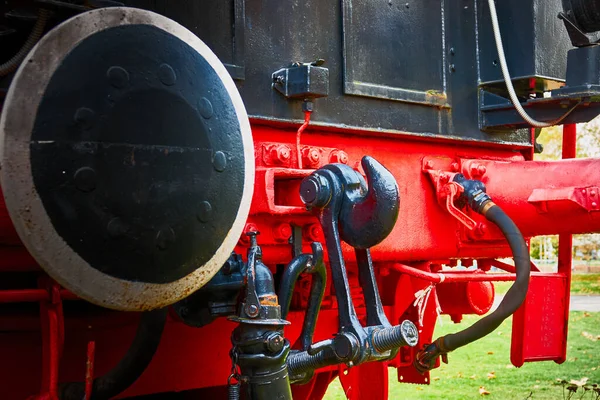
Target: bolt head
[(275, 342), (594, 204), (252, 310), (481, 170), (592, 192), (410, 333), (454, 166), (338, 156), (315, 191), (282, 232)]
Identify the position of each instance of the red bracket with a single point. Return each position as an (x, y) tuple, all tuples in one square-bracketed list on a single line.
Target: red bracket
[(448, 192)]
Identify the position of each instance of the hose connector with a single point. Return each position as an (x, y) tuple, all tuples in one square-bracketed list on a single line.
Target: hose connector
[(474, 194), (426, 358)]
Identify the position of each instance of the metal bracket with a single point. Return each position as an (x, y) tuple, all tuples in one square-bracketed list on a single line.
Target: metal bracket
[(302, 80)]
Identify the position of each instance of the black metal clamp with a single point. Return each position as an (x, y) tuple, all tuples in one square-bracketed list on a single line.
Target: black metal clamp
[(362, 217)]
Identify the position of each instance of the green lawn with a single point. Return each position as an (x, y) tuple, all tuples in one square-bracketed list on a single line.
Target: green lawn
[(469, 367), (581, 284)]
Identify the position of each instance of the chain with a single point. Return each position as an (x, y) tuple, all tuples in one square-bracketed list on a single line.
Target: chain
[(234, 380)]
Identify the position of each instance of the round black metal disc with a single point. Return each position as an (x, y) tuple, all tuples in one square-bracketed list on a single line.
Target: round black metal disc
[(139, 159)]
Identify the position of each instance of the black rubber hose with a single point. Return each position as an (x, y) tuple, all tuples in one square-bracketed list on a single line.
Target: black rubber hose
[(515, 295), (35, 35), (426, 358), (131, 366)]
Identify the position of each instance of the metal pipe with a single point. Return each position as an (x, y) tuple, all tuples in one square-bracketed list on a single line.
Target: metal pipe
[(31, 295), (314, 265), (457, 276), (131, 366)]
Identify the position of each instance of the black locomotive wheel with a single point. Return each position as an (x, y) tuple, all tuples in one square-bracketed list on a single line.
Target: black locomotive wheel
[(127, 160)]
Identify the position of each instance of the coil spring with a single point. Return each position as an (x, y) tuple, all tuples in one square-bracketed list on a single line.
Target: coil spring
[(233, 391)]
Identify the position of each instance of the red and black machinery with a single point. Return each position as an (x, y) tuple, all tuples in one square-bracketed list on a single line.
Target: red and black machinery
[(255, 197)]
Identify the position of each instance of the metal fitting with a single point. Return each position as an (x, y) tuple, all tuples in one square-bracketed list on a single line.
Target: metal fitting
[(282, 232), (278, 154), (339, 157), (245, 239), (311, 157), (405, 334), (312, 232), (315, 191)]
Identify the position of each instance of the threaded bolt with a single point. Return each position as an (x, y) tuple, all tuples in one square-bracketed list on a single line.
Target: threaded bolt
[(301, 362), (397, 336)]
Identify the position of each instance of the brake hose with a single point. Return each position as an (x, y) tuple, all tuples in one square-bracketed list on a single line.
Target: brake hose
[(131, 366), (35, 35), (480, 202), (509, 85)]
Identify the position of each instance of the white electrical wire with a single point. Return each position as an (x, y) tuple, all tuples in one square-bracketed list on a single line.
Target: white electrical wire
[(509, 86)]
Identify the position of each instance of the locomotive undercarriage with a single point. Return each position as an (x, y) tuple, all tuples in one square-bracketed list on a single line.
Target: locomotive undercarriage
[(330, 253)]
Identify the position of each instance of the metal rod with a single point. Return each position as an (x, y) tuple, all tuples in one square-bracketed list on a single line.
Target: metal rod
[(452, 277), (32, 295)]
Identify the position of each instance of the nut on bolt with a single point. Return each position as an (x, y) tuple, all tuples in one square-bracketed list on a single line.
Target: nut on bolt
[(477, 169), (282, 232), (274, 342), (315, 191), (311, 157), (279, 154), (338, 156), (312, 232)]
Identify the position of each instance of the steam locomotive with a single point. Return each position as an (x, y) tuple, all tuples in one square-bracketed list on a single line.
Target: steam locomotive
[(251, 198)]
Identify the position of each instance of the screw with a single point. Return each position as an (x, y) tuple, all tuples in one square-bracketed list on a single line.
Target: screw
[(338, 156)]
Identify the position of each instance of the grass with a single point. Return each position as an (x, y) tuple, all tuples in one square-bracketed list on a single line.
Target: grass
[(581, 284), (469, 367)]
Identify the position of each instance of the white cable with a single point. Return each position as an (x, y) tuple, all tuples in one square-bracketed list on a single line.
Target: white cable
[(509, 86)]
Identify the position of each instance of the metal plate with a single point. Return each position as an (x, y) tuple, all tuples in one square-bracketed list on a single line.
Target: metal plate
[(127, 158)]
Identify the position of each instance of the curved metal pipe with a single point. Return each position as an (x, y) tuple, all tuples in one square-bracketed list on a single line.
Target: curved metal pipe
[(131, 366), (314, 265)]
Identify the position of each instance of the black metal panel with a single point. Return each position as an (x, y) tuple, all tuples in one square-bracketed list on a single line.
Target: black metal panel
[(379, 50), (407, 67)]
